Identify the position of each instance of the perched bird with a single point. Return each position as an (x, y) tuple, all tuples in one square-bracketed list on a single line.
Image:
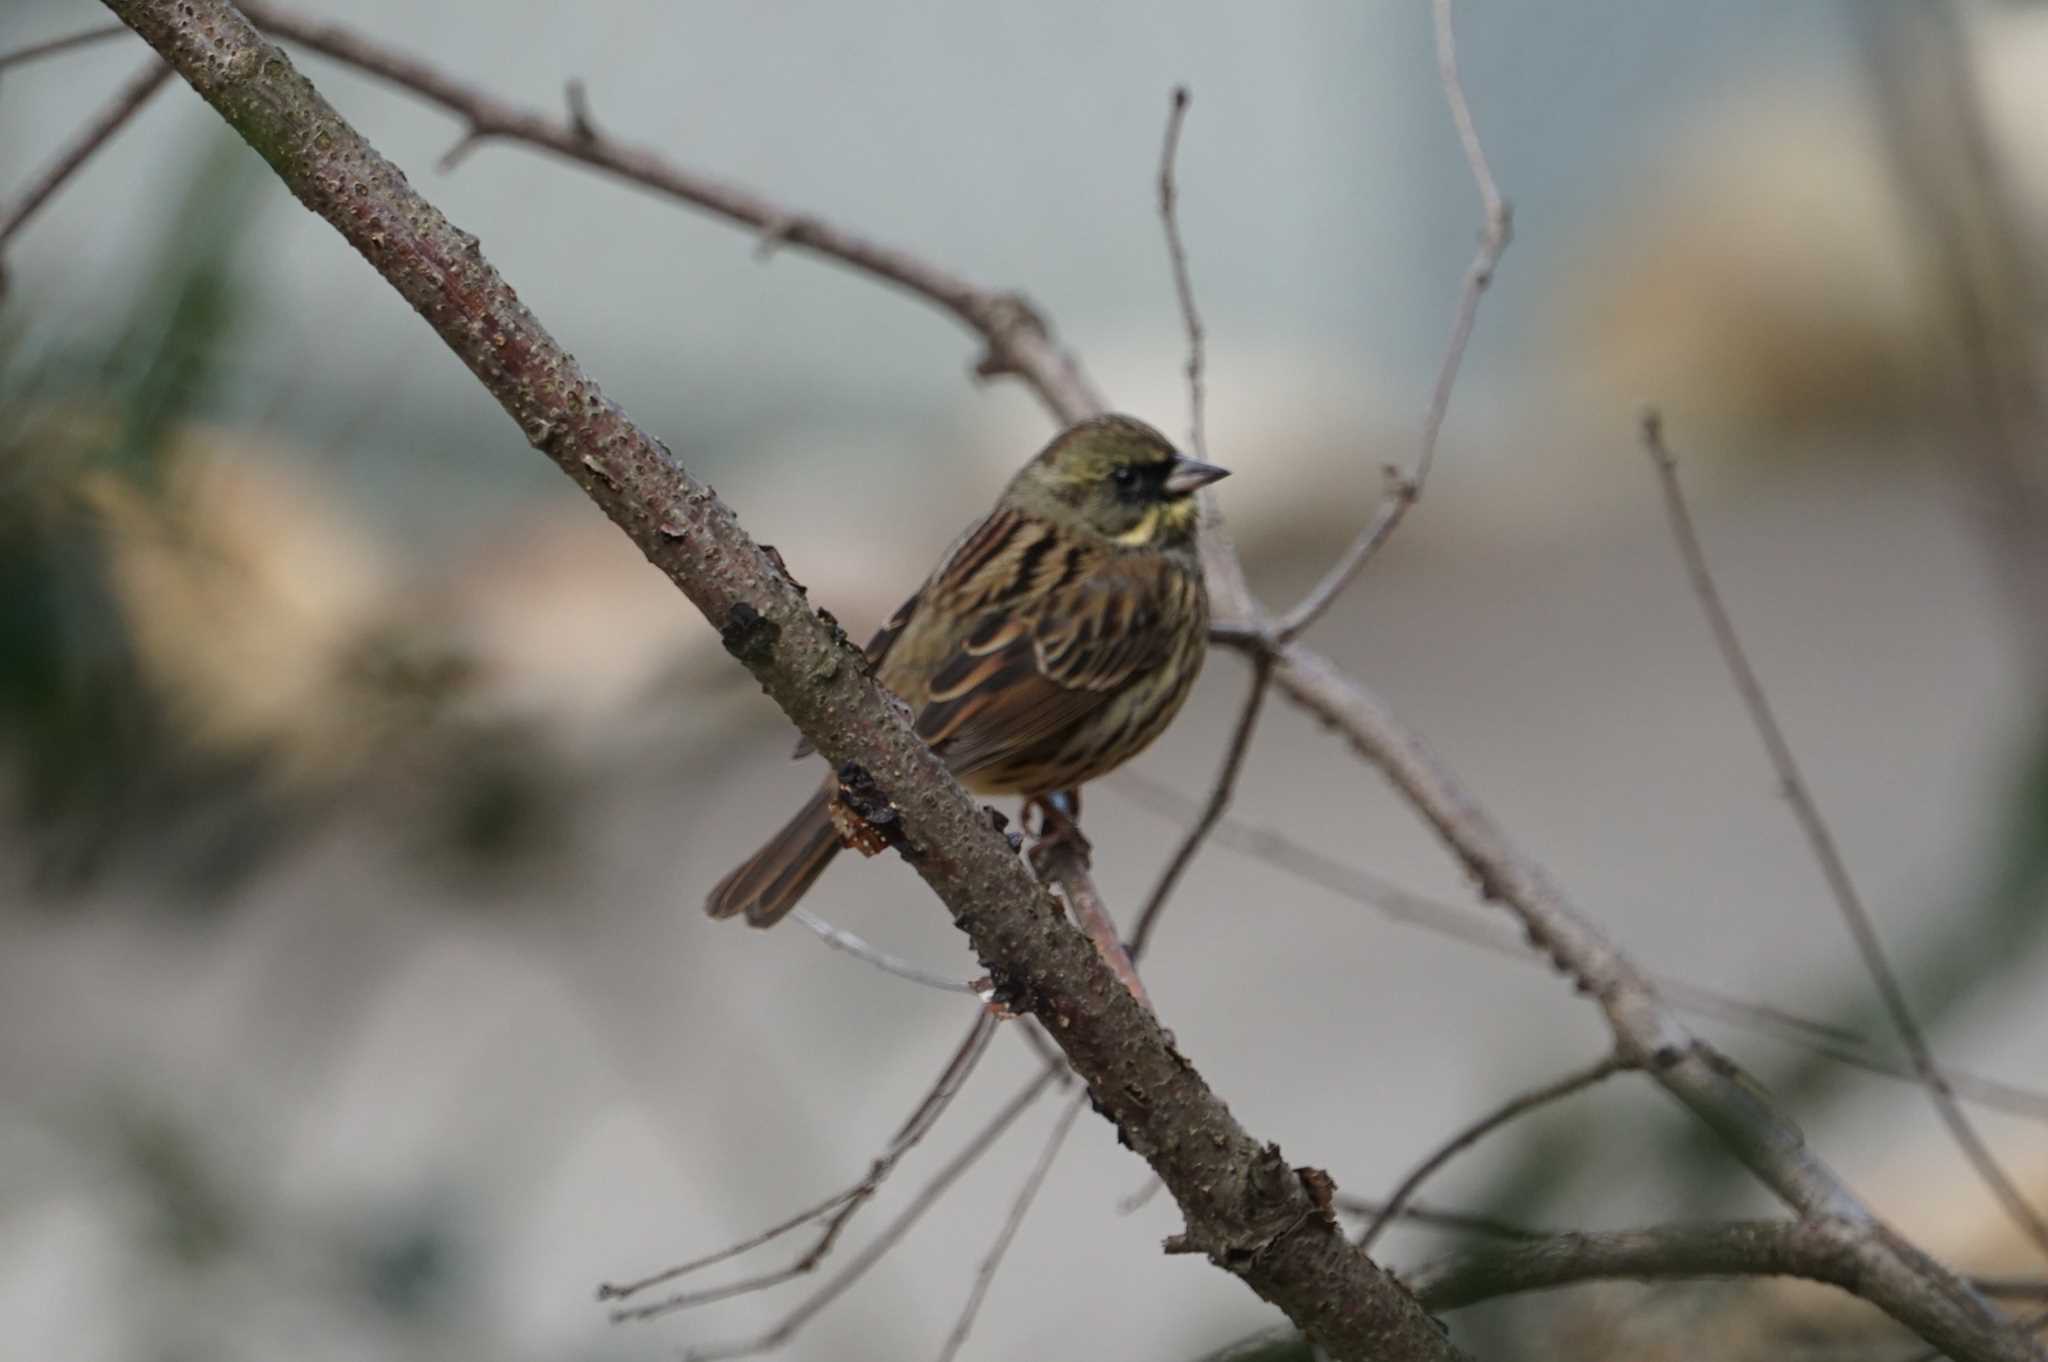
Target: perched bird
[(1056, 640)]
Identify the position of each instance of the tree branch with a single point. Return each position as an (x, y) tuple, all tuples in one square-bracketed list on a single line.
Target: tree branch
[(1014, 332), (1896, 1277), (1466, 925), (1827, 854), (1245, 1207), (1817, 1250)]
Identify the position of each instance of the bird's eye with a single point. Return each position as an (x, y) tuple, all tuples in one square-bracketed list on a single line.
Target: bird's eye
[(1123, 475)]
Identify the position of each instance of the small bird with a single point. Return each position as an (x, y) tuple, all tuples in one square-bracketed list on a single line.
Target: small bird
[(1058, 638)]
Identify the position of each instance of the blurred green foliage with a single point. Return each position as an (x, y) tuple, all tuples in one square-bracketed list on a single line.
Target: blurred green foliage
[(93, 755)]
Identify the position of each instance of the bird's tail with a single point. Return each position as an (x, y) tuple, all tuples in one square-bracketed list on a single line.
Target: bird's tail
[(767, 884)]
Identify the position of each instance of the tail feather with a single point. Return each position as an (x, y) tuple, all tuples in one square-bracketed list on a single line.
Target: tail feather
[(768, 884)]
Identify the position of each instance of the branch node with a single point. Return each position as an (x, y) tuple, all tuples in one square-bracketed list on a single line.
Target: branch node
[(472, 137), (580, 121)]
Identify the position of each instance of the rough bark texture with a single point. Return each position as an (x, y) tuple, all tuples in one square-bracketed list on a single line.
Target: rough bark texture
[(1245, 1207)]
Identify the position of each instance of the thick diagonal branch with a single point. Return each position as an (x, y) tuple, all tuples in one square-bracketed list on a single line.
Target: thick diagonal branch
[(1244, 1205)]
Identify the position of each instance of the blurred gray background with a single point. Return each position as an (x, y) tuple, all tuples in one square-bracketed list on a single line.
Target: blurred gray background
[(363, 785)]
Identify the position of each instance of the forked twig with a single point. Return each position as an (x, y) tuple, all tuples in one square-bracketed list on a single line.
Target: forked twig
[(1498, 229), (1821, 841), (835, 1210), (985, 1275), (870, 1254), (1519, 1105)]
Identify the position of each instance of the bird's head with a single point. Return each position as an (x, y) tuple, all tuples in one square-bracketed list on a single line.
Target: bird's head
[(1119, 478)]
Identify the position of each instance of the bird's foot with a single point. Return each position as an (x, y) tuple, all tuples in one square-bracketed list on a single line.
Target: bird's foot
[(1058, 827)]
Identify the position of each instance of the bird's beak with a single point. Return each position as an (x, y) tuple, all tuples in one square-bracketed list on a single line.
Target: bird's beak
[(1191, 475)]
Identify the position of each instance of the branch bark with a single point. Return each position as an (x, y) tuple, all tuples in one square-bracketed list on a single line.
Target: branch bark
[(1245, 1207)]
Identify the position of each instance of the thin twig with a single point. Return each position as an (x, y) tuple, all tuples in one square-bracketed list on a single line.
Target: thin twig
[(1498, 229), (1177, 255), (1465, 925), (840, 1206), (1826, 853), (580, 121), (1019, 1208), (1813, 1249), (1436, 1217), (21, 56), (839, 939), (856, 1267), (1519, 1105), (1212, 811), (110, 119)]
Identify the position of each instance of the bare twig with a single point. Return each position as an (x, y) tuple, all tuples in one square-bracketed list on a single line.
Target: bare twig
[(580, 121), (838, 938), (1212, 812), (856, 1267), (985, 1275), (835, 1211), (1519, 1105), (1497, 231), (1436, 1217), (1826, 853), (1818, 1250), (111, 118), (21, 56), (1466, 925), (1177, 256)]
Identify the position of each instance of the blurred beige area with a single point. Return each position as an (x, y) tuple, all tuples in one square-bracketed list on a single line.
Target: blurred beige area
[(364, 785)]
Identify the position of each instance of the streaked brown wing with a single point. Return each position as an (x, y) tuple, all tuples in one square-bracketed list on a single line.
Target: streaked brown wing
[(1021, 679)]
